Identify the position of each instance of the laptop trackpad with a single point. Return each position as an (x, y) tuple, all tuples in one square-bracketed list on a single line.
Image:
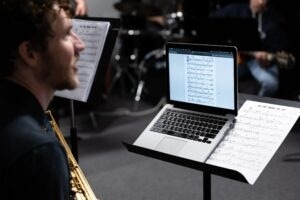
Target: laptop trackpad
[(170, 145)]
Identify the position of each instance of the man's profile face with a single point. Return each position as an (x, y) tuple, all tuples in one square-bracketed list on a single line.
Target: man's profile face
[(59, 61)]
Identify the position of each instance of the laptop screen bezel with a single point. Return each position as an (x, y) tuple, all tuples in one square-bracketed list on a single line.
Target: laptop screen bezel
[(204, 47)]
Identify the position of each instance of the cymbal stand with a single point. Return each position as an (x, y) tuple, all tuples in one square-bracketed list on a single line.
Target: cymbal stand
[(122, 71)]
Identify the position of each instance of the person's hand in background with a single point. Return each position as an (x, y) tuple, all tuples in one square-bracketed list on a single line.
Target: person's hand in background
[(81, 8)]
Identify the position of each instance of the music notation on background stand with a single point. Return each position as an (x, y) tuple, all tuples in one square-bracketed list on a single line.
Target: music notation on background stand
[(93, 34)]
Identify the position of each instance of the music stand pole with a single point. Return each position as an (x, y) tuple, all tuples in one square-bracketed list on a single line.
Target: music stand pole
[(206, 186), (73, 132)]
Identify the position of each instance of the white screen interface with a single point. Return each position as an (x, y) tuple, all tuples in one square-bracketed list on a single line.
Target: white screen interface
[(203, 78)]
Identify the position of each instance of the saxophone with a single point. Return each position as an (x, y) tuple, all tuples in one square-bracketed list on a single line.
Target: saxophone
[(80, 188)]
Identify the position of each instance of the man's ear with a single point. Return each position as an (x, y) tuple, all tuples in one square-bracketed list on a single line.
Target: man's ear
[(27, 53)]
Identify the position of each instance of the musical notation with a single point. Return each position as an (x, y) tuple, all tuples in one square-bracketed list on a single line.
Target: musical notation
[(200, 84), (259, 130), (93, 34)]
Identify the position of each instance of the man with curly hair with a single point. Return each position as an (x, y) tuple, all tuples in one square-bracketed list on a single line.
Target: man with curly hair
[(38, 56)]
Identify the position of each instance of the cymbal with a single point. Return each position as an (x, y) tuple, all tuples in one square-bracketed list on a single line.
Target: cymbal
[(137, 9)]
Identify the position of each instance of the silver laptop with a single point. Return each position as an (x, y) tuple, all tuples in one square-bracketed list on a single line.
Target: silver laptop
[(202, 101)]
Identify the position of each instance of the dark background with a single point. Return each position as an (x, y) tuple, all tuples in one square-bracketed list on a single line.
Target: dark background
[(288, 9)]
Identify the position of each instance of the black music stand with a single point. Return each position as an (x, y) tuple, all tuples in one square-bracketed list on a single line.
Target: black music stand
[(98, 87), (206, 168)]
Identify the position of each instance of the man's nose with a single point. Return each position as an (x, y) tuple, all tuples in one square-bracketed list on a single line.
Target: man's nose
[(78, 43)]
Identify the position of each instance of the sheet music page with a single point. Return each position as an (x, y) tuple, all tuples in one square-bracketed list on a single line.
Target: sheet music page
[(259, 130), (200, 81), (93, 34)]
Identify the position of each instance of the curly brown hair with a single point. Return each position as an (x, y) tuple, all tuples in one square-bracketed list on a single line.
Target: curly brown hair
[(26, 20)]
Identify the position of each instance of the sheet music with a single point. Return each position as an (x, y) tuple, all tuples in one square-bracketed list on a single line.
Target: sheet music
[(93, 34), (258, 133), (200, 82)]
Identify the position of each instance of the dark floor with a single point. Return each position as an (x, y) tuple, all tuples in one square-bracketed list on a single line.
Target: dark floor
[(114, 173)]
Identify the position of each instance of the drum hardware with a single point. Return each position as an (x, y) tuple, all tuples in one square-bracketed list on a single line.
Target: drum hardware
[(143, 68), (139, 90), (122, 71), (138, 37), (133, 47), (135, 8), (131, 32), (173, 24), (174, 18), (120, 74)]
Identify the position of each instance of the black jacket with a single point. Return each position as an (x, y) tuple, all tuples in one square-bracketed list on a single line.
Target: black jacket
[(33, 162)]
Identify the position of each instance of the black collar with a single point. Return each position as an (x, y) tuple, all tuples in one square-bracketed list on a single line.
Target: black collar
[(16, 100)]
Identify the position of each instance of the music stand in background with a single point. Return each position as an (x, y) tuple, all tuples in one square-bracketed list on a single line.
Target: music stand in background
[(100, 64)]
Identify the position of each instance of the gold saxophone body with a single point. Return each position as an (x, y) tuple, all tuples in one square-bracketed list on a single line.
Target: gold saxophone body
[(80, 187)]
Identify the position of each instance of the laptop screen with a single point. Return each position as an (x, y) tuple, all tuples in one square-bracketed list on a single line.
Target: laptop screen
[(202, 75)]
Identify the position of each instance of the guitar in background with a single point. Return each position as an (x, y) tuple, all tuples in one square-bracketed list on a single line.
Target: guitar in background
[(283, 59)]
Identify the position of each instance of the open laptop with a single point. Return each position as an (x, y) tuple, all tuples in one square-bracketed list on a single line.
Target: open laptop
[(202, 89)]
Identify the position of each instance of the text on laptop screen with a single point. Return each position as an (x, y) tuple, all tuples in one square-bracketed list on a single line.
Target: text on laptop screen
[(204, 78)]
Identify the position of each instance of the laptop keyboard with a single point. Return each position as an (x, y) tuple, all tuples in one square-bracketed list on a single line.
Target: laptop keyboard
[(188, 125)]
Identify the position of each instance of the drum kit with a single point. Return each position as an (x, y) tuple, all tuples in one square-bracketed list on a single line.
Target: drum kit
[(140, 45)]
